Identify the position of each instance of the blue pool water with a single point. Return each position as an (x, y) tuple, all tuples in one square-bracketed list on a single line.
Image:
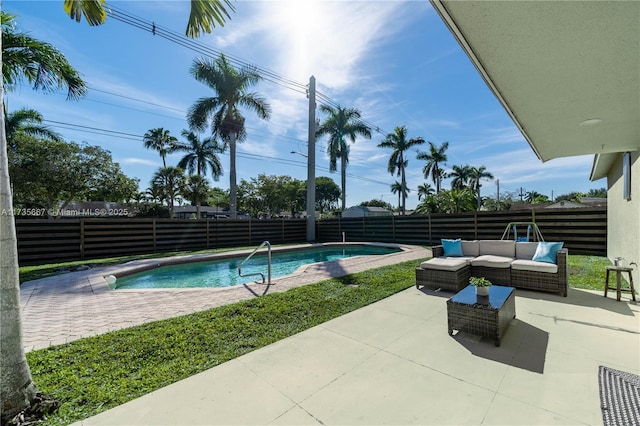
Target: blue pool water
[(224, 272)]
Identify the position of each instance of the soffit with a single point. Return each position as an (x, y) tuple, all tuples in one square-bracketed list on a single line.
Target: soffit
[(554, 64)]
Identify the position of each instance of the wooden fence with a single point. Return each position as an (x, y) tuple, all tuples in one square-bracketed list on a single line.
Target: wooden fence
[(584, 231), (44, 241)]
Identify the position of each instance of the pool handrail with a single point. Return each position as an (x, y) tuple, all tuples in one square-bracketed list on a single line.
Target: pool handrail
[(264, 243)]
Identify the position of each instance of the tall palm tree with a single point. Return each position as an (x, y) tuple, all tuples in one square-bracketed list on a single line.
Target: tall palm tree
[(399, 143), (475, 174), (461, 176), (28, 121), (341, 123), (160, 140), (203, 17), (231, 87), (200, 155), (434, 158), (39, 63), (425, 190)]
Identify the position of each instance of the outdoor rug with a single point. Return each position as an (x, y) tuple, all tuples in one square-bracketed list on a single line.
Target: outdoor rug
[(619, 397)]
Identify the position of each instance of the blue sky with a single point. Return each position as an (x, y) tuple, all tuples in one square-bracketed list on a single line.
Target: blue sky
[(395, 61)]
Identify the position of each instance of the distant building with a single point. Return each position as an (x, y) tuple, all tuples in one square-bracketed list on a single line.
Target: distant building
[(206, 212), (366, 211), (566, 205)]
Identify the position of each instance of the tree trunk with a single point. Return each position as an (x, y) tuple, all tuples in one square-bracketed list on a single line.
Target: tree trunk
[(404, 187), (17, 389), (343, 165), (233, 190)]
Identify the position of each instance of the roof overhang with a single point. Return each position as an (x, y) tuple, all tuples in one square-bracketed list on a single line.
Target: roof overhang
[(566, 72)]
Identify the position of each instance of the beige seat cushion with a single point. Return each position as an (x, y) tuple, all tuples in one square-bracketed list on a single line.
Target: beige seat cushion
[(530, 265), (492, 261), (445, 263)]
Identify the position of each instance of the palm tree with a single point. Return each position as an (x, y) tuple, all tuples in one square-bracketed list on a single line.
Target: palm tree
[(201, 155), (160, 140), (170, 181), (39, 63), (475, 174), (425, 190), (399, 143), (461, 176), (231, 87), (402, 191), (27, 121), (197, 191), (203, 17), (341, 123), (434, 158)]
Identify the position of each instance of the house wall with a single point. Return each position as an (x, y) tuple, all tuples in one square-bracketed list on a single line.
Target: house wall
[(623, 224)]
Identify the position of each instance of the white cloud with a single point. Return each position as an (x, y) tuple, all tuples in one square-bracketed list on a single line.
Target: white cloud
[(141, 161)]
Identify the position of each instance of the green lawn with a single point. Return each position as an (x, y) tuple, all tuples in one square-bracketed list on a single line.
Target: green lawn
[(94, 374)]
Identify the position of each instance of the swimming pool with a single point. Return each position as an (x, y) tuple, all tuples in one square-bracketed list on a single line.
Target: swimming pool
[(224, 272)]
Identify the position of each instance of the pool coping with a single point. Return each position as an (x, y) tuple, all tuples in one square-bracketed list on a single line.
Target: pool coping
[(143, 265)]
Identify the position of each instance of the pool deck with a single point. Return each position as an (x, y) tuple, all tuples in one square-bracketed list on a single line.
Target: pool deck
[(66, 307)]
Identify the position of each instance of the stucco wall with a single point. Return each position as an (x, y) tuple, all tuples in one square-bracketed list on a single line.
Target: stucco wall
[(623, 216)]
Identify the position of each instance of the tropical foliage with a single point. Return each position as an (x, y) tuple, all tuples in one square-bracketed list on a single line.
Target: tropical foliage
[(204, 15), (341, 125), (169, 182), (201, 155), (448, 201), (196, 190), (28, 122), (435, 159), (222, 111), (271, 196), (160, 140), (37, 62), (398, 142)]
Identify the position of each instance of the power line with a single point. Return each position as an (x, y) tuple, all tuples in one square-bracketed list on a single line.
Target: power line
[(150, 26)]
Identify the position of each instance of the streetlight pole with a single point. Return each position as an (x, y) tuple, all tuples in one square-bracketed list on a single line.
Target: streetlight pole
[(311, 164)]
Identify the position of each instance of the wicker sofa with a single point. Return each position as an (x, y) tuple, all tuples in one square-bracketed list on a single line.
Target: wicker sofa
[(503, 262)]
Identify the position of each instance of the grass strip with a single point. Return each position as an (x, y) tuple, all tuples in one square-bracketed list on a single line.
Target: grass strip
[(587, 272), (93, 374)]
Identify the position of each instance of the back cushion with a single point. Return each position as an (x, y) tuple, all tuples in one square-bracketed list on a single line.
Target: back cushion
[(472, 248), (526, 251), (506, 248)]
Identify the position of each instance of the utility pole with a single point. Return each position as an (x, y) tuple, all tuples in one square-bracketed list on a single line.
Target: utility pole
[(498, 193), (311, 164), (521, 193)]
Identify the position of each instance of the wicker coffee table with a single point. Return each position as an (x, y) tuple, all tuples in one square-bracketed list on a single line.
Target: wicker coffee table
[(487, 316)]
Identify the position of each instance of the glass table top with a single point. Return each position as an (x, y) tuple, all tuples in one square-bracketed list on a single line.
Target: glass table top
[(497, 296)]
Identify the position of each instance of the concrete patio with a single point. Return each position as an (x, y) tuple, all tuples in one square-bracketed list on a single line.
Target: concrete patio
[(393, 363)]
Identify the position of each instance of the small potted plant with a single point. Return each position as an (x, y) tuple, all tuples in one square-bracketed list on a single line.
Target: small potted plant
[(481, 284)]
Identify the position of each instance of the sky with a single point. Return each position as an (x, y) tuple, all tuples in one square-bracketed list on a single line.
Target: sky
[(395, 61)]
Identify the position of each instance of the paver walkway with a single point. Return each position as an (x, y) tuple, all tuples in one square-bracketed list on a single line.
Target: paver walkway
[(67, 307)]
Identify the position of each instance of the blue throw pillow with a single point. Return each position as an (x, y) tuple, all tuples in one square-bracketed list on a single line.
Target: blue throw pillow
[(452, 248), (547, 252)]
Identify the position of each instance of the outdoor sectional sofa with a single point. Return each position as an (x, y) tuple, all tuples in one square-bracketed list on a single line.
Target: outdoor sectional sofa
[(503, 262)]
